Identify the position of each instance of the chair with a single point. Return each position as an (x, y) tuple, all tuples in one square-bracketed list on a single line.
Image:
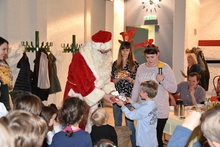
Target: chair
[(214, 98), (123, 134), (176, 96)]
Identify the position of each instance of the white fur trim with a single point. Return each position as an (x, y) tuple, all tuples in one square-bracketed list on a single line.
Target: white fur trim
[(91, 99), (109, 87), (99, 83), (95, 96), (85, 51), (102, 46), (72, 93), (89, 122)]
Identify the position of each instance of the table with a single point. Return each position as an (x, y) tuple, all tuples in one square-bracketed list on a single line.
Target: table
[(173, 121)]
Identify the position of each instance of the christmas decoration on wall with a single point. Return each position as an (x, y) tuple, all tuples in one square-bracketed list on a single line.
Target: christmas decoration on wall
[(151, 5)]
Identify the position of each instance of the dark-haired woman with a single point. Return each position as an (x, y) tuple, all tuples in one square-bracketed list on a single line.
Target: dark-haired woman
[(123, 75), (5, 75), (166, 81)]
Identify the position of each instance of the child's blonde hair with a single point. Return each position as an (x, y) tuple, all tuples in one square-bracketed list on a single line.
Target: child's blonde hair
[(5, 138), (151, 87), (99, 117), (26, 128), (105, 143)]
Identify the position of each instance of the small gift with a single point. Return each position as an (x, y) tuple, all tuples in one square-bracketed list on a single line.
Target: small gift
[(122, 74), (118, 96)]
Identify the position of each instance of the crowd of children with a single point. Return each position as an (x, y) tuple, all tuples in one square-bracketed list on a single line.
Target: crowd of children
[(30, 123)]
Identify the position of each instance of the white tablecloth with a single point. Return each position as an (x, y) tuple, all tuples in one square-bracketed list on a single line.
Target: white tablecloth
[(171, 124)]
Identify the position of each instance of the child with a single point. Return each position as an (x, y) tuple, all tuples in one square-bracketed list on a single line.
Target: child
[(100, 128), (70, 115), (145, 114), (25, 128), (5, 138), (49, 114), (105, 143), (30, 103)]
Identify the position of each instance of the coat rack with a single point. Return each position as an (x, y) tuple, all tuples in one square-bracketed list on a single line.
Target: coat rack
[(73, 48), (36, 48)]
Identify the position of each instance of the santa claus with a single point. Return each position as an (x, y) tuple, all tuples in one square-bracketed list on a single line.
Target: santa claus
[(89, 72)]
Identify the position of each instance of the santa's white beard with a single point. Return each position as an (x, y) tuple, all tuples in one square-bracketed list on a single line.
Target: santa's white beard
[(102, 64)]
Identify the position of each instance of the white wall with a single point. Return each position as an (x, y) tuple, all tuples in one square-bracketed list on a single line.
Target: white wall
[(64, 20), (203, 16), (164, 35), (179, 39), (209, 24)]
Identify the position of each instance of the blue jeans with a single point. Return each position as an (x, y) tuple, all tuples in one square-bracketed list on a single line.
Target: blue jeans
[(129, 123)]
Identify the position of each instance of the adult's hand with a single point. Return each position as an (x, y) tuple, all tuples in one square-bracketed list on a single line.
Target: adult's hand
[(160, 77), (107, 97), (183, 74)]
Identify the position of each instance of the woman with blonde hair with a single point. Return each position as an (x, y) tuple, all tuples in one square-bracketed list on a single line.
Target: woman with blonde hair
[(193, 66)]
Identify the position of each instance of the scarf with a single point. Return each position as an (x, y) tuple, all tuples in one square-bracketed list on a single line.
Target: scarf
[(5, 74)]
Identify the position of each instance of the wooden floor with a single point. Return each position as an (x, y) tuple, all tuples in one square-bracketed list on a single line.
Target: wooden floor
[(108, 108)]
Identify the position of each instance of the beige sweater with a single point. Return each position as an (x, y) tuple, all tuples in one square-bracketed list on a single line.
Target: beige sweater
[(145, 73)]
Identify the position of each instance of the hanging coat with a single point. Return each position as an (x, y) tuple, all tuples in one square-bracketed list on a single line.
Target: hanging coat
[(43, 93), (205, 75), (23, 80), (54, 81)]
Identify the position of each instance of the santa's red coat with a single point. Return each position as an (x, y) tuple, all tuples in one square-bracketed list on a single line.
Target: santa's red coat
[(80, 80)]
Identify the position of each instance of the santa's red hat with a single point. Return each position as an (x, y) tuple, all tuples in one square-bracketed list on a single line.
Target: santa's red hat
[(102, 40)]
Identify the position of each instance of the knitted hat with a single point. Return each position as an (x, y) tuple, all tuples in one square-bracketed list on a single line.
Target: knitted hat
[(102, 40)]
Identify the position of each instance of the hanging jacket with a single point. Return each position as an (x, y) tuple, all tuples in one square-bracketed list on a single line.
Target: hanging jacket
[(41, 92), (23, 80), (54, 81), (205, 75)]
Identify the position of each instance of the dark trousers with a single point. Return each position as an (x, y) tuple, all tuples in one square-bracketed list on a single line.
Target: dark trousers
[(160, 126)]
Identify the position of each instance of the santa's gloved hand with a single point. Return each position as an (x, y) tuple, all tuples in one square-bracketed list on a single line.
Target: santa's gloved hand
[(107, 97)]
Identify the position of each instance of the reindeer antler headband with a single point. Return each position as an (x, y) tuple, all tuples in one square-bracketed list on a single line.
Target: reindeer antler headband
[(147, 45), (127, 35)]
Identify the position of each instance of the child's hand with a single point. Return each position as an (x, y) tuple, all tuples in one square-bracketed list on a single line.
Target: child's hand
[(131, 108), (129, 100), (120, 103), (192, 120)]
